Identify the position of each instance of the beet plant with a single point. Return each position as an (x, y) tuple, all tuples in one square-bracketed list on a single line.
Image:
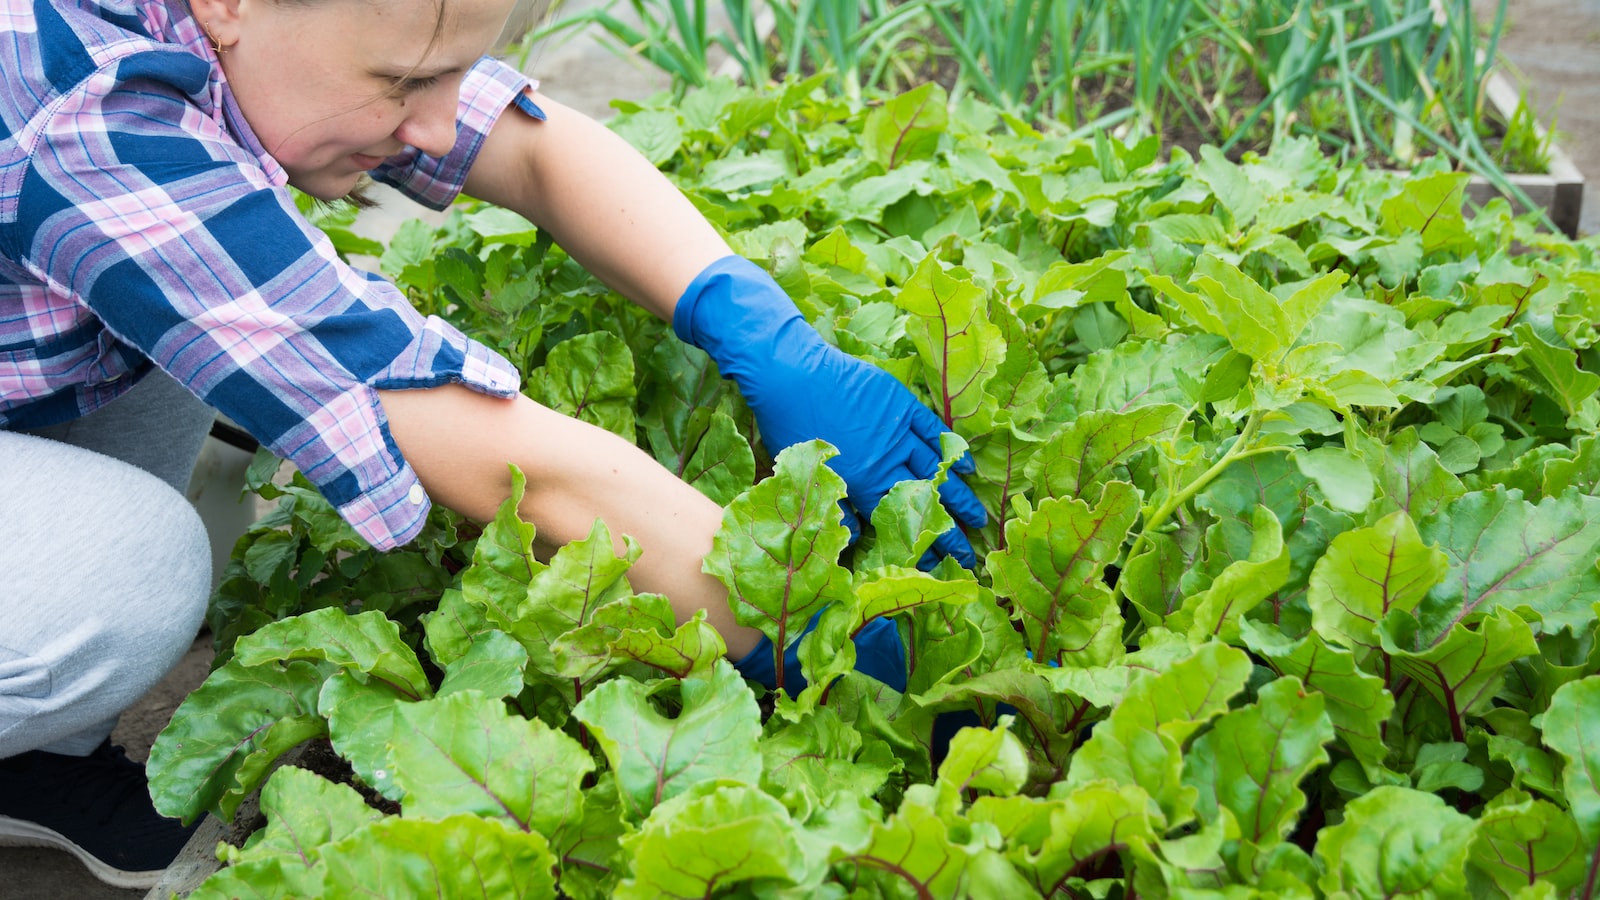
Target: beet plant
[(1289, 587)]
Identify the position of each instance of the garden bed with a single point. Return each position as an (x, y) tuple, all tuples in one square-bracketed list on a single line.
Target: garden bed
[(1290, 468)]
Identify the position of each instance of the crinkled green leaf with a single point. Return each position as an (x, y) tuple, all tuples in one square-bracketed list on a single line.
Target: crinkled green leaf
[(985, 759), (304, 812), (1429, 206), (910, 517), (703, 843), (464, 753), (912, 850), (367, 645), (589, 377), (656, 757), (1571, 729), (1462, 670), (582, 577), (1557, 368), (778, 548), (227, 733), (959, 347), (272, 878), (1053, 569), (1342, 476), (457, 858), (360, 721), (1507, 553), (1410, 477), (1253, 759), (906, 127), (1357, 702), (503, 562), (1080, 459), (492, 665), (1368, 572), (1140, 743), (823, 754), (829, 651), (1084, 826), (1395, 841), (1522, 842), (692, 647), (1239, 588)]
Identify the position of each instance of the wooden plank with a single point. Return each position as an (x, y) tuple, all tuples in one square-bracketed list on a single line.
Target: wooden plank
[(195, 862)]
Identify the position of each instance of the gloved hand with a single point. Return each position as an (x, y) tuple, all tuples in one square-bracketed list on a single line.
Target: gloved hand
[(879, 653), (801, 387)]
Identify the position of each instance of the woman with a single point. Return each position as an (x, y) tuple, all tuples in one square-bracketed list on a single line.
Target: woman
[(153, 269)]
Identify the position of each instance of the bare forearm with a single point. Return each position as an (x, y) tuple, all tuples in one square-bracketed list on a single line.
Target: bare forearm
[(460, 442), (601, 200)]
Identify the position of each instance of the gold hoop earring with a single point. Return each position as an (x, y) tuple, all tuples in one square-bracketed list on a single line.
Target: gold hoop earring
[(216, 45)]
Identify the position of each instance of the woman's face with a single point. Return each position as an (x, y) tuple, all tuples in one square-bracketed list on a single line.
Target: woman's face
[(332, 87)]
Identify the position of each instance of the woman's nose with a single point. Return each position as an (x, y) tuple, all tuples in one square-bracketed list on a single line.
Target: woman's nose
[(430, 123)]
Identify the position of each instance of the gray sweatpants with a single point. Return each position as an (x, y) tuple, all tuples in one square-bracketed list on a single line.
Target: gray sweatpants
[(105, 567)]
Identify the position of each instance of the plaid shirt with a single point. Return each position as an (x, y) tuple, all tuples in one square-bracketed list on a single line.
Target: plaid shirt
[(141, 222)]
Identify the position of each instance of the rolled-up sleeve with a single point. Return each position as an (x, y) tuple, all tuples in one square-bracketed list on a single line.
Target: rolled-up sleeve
[(176, 240), (489, 89)]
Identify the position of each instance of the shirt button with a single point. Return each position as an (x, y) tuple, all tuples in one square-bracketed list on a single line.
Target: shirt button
[(416, 495)]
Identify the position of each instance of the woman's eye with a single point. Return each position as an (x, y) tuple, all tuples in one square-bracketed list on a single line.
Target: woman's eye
[(413, 85)]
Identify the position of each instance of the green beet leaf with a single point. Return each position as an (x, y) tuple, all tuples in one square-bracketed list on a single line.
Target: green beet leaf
[(360, 720), (1522, 843), (465, 753), (583, 576), (710, 840), (272, 878), (959, 348), (462, 857), (1570, 729), (1253, 759), (1357, 702), (367, 645), (1395, 841), (910, 517), (778, 548), (913, 851), (823, 755), (1429, 206), (1082, 458), (451, 628), (503, 564), (655, 757), (1078, 830), (829, 651), (1507, 553), (1410, 476), (304, 813), (493, 665), (984, 759), (1462, 670), (1052, 570), (1141, 742), (227, 733), (1368, 572), (589, 377), (1218, 610), (907, 127)]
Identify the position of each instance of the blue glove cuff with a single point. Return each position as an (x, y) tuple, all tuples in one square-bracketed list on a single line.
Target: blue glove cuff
[(879, 653)]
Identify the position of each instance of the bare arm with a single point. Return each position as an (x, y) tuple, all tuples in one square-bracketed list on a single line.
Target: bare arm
[(601, 200), (459, 443)]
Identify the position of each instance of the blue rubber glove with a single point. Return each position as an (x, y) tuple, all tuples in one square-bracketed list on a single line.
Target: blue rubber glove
[(801, 387), (879, 653)]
